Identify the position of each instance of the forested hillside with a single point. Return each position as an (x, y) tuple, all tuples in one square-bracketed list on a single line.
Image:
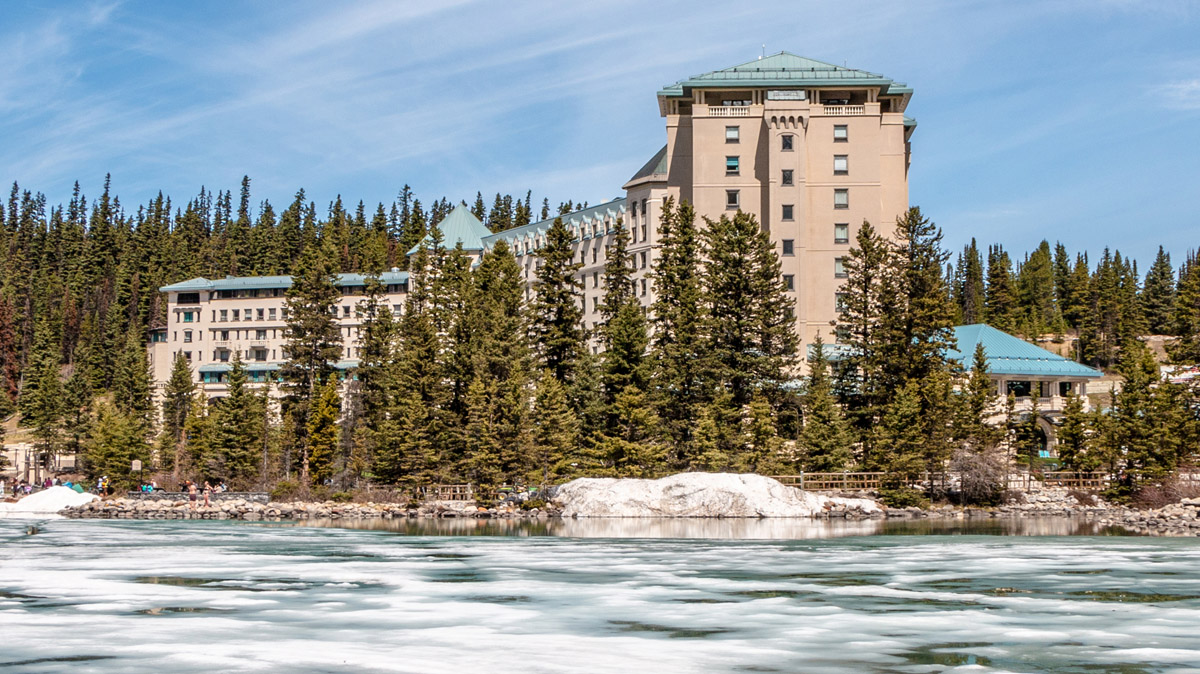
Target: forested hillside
[(472, 383)]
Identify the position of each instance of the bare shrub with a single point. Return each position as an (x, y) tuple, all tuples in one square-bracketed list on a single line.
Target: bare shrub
[(1084, 498), (981, 476), (1171, 489)]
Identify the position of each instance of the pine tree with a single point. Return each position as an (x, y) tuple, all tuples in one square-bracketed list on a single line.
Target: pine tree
[(974, 430), (1186, 317), (314, 342), (1001, 302), (237, 431), (177, 403), (623, 331), (557, 315), (555, 431), (1158, 299), (677, 358), (482, 440), (131, 381), (969, 291), (322, 433), (1035, 290), (1074, 437), (117, 440), (749, 322), (825, 441)]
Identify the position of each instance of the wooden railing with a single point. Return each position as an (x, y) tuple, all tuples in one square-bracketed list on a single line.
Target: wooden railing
[(1095, 481), (833, 481)]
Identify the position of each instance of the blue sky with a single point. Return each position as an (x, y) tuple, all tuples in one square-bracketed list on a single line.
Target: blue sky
[(1070, 120)]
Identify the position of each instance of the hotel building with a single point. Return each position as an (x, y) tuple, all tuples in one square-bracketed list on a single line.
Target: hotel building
[(809, 148)]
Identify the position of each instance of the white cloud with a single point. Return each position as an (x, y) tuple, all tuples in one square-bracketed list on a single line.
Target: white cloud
[(1180, 95)]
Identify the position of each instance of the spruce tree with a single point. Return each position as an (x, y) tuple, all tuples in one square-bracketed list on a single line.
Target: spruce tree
[(237, 432), (1001, 298), (314, 342), (177, 403), (825, 441), (322, 432), (970, 286), (555, 431), (117, 440), (557, 313), (1074, 436), (624, 329), (677, 358), (749, 321), (1158, 298)]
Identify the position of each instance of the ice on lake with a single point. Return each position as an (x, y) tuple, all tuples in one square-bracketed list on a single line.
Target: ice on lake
[(609, 596)]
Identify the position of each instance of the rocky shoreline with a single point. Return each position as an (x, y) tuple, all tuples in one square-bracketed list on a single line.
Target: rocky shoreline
[(1176, 519)]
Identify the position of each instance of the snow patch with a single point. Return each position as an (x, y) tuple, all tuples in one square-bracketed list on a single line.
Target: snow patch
[(695, 495), (45, 502)]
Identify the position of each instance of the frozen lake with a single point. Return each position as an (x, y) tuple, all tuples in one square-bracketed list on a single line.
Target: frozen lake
[(608, 596)]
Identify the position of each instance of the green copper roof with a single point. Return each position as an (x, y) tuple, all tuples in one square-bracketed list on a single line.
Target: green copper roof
[(459, 225), (656, 166), (785, 70), (260, 282), (1007, 355)]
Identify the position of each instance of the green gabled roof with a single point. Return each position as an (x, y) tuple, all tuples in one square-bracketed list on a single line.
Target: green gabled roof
[(1008, 355), (655, 167), (784, 70), (261, 282), (459, 225), (616, 207)]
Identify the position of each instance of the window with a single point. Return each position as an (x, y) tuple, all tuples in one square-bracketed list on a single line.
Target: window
[(841, 165), (1020, 389), (645, 211), (642, 260), (1064, 389), (841, 233), (595, 304), (786, 143), (258, 354), (187, 355), (732, 134), (731, 166), (271, 314), (643, 233), (236, 313), (346, 311), (224, 315), (187, 316), (595, 253), (222, 355), (260, 335), (787, 177), (839, 302), (635, 209), (187, 336), (224, 335), (731, 199), (643, 287), (259, 314), (789, 212), (188, 298), (840, 134), (789, 247), (595, 279), (789, 282), (841, 198), (839, 267)]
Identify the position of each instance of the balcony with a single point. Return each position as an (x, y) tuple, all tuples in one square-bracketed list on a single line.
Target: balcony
[(728, 111), (845, 110)]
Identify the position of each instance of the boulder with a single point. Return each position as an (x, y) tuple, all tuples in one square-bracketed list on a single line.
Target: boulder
[(695, 495)]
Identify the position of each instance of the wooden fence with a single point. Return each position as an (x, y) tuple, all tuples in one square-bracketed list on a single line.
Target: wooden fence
[(1094, 481)]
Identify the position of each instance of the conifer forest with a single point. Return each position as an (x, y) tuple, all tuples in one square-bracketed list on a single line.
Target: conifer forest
[(473, 383)]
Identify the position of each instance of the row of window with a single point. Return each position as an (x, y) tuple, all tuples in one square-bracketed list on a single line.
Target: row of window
[(841, 134), (841, 200), (841, 167), (841, 234)]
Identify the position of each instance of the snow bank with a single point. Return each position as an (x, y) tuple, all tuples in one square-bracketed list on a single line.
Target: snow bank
[(45, 502), (696, 495)]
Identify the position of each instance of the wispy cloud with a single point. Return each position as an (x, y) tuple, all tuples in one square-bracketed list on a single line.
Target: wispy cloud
[(1180, 95)]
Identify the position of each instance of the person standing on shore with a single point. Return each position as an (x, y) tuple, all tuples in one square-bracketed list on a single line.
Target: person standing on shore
[(191, 489), (207, 492)]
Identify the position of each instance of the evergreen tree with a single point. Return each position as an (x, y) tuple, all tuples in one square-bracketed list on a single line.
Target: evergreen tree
[(1074, 438), (750, 321), (117, 440), (177, 403), (1035, 284), (557, 314), (1158, 299), (314, 343), (1001, 298), (969, 289), (825, 442), (624, 329), (237, 431), (677, 358), (555, 431), (322, 433)]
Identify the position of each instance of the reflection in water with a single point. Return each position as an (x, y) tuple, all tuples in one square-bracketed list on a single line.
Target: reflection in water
[(721, 529)]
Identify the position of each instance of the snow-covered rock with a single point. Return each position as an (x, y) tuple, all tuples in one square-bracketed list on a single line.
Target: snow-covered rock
[(45, 502), (696, 495)]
